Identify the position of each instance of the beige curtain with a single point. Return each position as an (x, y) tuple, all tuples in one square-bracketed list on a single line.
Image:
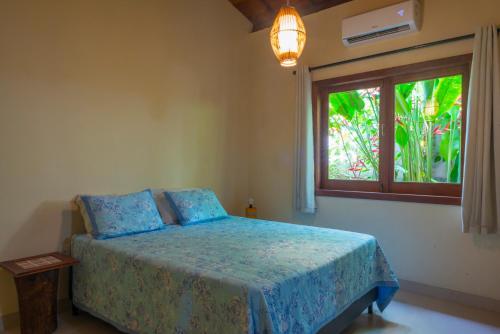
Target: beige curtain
[(481, 184), (304, 197)]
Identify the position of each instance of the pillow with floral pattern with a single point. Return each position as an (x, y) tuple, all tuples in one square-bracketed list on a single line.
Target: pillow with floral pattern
[(196, 205), (109, 216)]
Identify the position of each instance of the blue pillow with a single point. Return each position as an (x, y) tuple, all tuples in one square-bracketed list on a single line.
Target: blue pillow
[(112, 216), (196, 205)]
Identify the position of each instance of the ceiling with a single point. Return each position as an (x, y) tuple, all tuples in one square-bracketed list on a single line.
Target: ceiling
[(262, 12)]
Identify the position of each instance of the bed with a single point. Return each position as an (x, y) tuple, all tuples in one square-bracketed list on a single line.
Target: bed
[(234, 275)]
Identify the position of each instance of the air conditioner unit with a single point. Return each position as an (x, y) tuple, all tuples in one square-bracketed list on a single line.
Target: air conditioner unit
[(395, 20)]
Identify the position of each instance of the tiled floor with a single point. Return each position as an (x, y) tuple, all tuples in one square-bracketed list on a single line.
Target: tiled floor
[(410, 313)]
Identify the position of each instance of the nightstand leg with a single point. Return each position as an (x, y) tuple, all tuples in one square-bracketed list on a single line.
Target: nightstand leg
[(37, 296)]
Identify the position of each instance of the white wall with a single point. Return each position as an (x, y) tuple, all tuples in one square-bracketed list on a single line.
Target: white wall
[(423, 242), (119, 95), (113, 96)]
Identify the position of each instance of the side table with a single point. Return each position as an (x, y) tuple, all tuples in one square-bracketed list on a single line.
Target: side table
[(36, 281)]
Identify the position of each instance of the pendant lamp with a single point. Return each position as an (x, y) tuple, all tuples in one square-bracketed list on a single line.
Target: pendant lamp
[(288, 36)]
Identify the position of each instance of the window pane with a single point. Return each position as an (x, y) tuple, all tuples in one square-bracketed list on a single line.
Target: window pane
[(428, 128), (353, 138)]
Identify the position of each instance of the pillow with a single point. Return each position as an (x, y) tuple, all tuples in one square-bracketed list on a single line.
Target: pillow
[(196, 205), (112, 216), (164, 207)]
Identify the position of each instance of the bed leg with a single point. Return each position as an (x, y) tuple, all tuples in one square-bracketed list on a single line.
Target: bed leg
[(370, 309), (74, 310)]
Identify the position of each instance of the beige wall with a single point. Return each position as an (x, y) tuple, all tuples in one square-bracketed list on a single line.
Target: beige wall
[(118, 95), (113, 96), (422, 241)]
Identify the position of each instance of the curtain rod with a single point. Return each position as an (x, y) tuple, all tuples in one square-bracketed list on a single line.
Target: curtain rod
[(391, 52)]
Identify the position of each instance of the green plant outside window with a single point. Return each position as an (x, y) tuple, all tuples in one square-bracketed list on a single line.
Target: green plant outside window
[(427, 132), (354, 134), (428, 129)]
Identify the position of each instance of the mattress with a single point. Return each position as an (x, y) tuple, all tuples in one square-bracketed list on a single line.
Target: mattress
[(235, 275)]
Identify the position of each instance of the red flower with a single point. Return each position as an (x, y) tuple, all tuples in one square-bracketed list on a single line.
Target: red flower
[(437, 131)]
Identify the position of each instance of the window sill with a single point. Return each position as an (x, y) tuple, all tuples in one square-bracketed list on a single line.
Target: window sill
[(446, 200)]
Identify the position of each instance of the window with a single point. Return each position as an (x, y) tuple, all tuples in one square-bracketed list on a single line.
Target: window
[(394, 134)]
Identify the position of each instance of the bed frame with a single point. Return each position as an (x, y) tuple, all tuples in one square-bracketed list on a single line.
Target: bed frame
[(346, 318), (336, 326)]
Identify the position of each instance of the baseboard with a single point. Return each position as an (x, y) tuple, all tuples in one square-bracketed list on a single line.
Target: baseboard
[(458, 297), (11, 320)]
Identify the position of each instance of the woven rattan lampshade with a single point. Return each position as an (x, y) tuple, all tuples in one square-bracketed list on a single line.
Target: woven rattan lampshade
[(288, 36)]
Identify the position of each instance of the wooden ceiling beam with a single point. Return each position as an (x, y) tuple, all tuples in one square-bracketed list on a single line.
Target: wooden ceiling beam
[(262, 12)]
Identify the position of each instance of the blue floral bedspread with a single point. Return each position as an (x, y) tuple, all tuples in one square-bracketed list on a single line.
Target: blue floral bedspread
[(235, 275)]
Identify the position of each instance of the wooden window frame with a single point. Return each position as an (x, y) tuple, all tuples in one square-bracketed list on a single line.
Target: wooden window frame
[(386, 188)]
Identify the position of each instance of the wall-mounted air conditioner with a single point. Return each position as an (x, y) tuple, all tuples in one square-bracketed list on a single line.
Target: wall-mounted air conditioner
[(395, 20)]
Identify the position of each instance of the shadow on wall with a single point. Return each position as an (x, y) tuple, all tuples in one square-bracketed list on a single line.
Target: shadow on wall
[(304, 218), (52, 223), (73, 219), (489, 242)]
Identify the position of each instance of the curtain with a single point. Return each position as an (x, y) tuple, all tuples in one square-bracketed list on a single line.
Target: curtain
[(304, 198), (481, 183)]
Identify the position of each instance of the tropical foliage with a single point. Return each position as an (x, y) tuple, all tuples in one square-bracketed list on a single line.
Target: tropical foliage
[(427, 132), (354, 135)]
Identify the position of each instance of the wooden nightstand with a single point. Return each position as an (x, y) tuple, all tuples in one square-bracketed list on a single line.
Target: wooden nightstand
[(36, 280)]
